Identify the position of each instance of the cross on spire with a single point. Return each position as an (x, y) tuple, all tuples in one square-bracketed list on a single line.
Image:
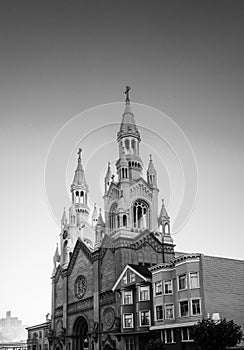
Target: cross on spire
[(127, 90), (79, 153)]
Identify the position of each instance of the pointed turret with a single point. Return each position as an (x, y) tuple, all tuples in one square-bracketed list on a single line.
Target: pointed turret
[(99, 230), (79, 190), (79, 177), (107, 179), (151, 174), (164, 220), (129, 139), (94, 216), (56, 259), (100, 221), (64, 218)]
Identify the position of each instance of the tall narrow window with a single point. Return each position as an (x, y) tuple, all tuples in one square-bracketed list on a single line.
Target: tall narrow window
[(140, 215), (194, 279)]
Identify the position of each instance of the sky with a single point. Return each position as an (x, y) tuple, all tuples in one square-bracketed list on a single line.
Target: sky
[(184, 62)]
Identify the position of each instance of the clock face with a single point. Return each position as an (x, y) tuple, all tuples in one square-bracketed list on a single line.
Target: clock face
[(80, 286)]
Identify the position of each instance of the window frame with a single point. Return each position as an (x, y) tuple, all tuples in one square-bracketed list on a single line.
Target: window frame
[(171, 282), (132, 320), (149, 312), (172, 336), (188, 335), (155, 312), (198, 280), (173, 309), (200, 306), (182, 301), (178, 280), (139, 293), (155, 293), (123, 296)]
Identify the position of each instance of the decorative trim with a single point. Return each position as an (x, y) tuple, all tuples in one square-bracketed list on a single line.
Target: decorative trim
[(81, 305)]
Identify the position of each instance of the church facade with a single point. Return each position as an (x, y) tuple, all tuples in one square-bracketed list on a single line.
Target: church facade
[(101, 285)]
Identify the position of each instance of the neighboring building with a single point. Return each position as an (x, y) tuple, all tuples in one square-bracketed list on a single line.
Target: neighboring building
[(94, 250), (192, 287), (134, 288), (11, 329), (38, 336)]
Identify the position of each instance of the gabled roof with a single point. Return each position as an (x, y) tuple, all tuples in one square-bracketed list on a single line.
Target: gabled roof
[(140, 270)]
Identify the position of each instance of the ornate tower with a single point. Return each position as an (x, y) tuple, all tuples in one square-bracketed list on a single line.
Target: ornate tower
[(130, 203), (79, 190)]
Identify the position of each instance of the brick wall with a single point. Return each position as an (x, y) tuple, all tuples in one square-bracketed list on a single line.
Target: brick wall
[(223, 282)]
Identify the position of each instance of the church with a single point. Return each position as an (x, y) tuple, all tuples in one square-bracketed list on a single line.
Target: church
[(101, 282)]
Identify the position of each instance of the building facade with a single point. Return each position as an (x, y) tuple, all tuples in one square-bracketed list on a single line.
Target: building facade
[(88, 302), (192, 287), (38, 336)]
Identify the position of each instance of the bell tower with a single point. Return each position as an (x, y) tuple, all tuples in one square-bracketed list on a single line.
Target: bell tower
[(79, 191)]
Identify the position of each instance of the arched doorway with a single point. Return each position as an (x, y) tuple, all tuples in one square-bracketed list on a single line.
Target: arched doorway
[(80, 337)]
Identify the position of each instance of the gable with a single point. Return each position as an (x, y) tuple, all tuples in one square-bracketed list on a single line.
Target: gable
[(129, 276), (80, 275), (140, 188)]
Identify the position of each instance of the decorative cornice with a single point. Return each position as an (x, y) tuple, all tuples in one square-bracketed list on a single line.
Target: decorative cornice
[(81, 305), (174, 261)]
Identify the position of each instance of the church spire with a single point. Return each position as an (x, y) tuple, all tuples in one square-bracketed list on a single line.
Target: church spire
[(79, 188), (129, 139), (151, 173)]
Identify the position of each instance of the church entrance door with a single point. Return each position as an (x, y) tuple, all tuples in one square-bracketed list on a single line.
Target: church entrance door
[(80, 337)]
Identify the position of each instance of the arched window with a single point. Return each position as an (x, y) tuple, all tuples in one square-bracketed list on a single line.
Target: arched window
[(124, 220), (166, 228), (112, 217), (118, 223), (140, 214), (133, 146)]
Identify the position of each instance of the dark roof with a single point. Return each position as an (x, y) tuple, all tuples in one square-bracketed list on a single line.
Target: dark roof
[(143, 270)]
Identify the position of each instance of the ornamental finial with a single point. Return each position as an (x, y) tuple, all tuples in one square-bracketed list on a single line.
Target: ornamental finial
[(127, 89), (79, 153)]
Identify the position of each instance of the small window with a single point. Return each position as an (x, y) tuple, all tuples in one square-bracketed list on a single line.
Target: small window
[(169, 311), (185, 334), (144, 293), (145, 318), (159, 313), (124, 279), (132, 277), (169, 336), (182, 282), (184, 308), (168, 287), (158, 288), (196, 307), (128, 320), (127, 297), (40, 334), (194, 279)]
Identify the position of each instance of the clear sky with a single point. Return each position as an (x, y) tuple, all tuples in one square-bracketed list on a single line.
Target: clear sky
[(59, 58)]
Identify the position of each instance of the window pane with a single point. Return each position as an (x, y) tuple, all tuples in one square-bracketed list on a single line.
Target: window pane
[(182, 282), (168, 287), (145, 318), (169, 311), (194, 280), (159, 312), (184, 308), (158, 288), (169, 336), (144, 293), (127, 297), (128, 321), (196, 310)]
